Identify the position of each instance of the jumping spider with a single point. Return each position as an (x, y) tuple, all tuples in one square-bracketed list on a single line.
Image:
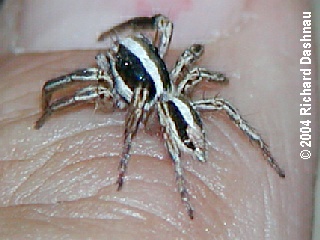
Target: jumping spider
[(133, 74)]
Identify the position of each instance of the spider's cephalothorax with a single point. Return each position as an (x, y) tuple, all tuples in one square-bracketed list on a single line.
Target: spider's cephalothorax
[(133, 75), (136, 65)]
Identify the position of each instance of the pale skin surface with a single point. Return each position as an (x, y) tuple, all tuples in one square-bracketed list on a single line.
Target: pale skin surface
[(59, 182)]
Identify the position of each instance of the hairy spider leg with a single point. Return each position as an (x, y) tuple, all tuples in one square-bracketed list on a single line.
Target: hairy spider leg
[(162, 26), (186, 77), (53, 85), (188, 57), (173, 149), (222, 104), (196, 75), (179, 174), (86, 94), (133, 118)]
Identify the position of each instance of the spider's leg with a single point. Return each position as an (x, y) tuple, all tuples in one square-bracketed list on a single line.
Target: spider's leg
[(185, 198), (81, 75), (195, 76), (222, 104), (164, 28), (186, 59), (147, 119), (174, 152), (85, 95), (160, 24), (134, 117), (134, 24)]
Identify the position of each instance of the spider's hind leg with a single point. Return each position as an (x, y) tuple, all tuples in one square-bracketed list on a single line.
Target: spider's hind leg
[(133, 119), (101, 88), (81, 75), (222, 104), (87, 94)]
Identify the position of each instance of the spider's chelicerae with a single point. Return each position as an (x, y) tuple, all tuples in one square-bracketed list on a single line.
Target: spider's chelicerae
[(133, 74)]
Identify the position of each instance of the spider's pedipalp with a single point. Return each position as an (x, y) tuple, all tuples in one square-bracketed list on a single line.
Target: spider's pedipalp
[(222, 104)]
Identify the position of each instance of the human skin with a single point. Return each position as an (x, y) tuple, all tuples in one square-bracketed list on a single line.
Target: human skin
[(59, 182)]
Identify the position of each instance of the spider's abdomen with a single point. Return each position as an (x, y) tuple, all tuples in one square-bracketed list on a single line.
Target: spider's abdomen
[(139, 64), (183, 122)]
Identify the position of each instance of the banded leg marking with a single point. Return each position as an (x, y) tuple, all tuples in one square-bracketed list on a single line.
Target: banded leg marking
[(82, 75), (175, 155), (222, 104), (197, 75), (186, 60), (133, 119), (103, 85), (85, 95)]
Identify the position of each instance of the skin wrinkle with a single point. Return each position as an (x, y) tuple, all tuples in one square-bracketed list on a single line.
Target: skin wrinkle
[(75, 133), (233, 130), (25, 182), (70, 113), (204, 182), (52, 175), (15, 119), (143, 209), (25, 69), (11, 200), (64, 168), (212, 196)]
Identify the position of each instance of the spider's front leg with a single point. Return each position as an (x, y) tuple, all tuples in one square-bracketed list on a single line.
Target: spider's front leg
[(222, 104), (133, 118), (101, 89), (162, 26), (185, 76)]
